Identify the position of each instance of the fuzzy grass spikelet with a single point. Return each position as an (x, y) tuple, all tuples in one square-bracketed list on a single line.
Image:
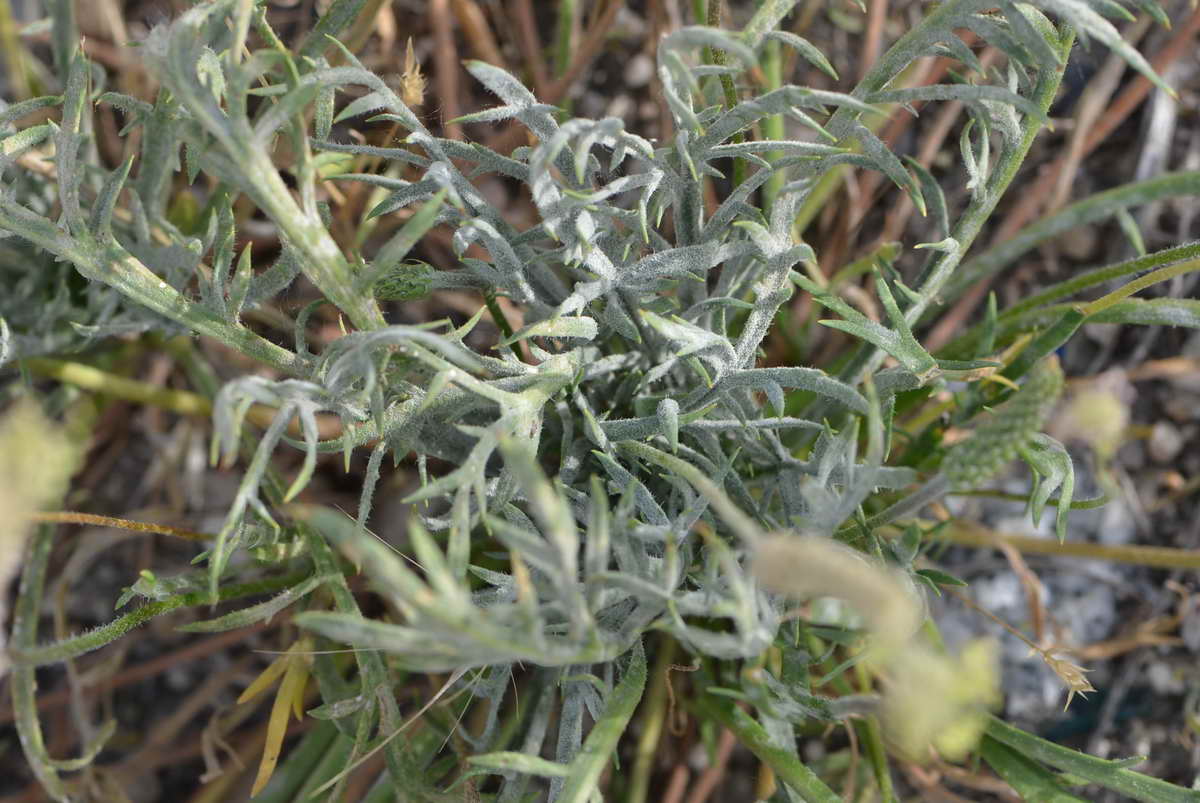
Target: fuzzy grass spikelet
[(1005, 430)]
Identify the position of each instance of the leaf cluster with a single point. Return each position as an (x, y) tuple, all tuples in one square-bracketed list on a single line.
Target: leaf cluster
[(606, 470)]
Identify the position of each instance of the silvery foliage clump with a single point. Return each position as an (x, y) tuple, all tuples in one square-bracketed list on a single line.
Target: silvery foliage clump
[(611, 445), (45, 307)]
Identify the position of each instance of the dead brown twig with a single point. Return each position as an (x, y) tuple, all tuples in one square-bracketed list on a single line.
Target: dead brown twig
[(1034, 590), (1091, 105), (977, 780), (873, 37), (929, 782), (513, 135), (707, 783), (1154, 632), (445, 57), (478, 32), (677, 784), (531, 46), (165, 731)]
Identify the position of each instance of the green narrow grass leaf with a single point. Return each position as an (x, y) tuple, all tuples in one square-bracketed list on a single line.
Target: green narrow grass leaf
[(584, 771), (1113, 775)]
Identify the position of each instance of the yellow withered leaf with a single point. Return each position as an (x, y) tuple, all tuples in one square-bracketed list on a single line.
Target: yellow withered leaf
[(265, 679), (288, 698)]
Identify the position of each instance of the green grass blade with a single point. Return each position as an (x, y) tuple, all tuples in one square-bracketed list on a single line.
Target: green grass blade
[(1113, 775), (585, 769)]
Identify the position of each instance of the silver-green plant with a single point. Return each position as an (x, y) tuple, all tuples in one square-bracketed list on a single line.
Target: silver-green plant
[(617, 459)]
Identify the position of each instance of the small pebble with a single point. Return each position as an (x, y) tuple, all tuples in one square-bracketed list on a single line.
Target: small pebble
[(591, 105), (1182, 407), (1100, 333), (1163, 679), (1165, 442), (621, 106), (1079, 243), (179, 679), (1190, 629), (1117, 525), (638, 71)]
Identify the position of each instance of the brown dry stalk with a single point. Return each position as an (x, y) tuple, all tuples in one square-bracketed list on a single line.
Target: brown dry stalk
[(445, 55), (1166, 368), (478, 32), (677, 784), (707, 783), (977, 780), (165, 730), (1107, 650), (872, 42), (1095, 98), (928, 781), (72, 517), (531, 45), (848, 787), (1034, 591), (514, 135)]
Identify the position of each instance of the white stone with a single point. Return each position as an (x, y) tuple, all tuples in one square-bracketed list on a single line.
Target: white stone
[(639, 71), (1165, 442)]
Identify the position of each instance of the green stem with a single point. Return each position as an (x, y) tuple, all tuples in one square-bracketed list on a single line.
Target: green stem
[(242, 158), (85, 376), (54, 652), (1028, 310), (941, 268), (584, 771), (715, 56), (1141, 283), (968, 534), (24, 677), (652, 724), (787, 767), (501, 321), (772, 126), (871, 733), (1076, 504), (322, 259), (110, 264)]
